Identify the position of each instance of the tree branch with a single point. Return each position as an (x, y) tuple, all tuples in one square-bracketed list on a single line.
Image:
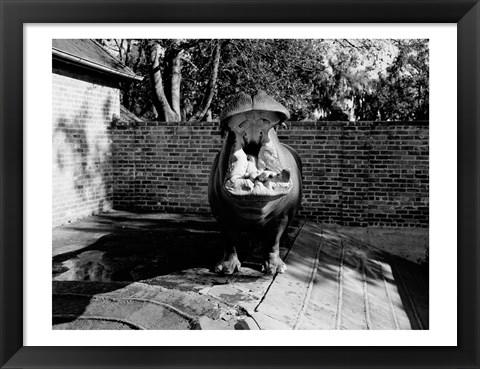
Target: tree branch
[(208, 97), (139, 58), (175, 83), (127, 52), (159, 99)]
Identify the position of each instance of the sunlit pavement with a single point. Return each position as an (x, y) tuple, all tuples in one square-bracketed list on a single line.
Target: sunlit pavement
[(121, 270)]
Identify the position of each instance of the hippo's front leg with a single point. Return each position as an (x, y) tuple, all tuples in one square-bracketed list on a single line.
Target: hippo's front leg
[(271, 242), (229, 263)]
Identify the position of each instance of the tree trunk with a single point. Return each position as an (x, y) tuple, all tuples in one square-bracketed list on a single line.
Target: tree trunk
[(208, 97), (160, 101), (208, 116), (127, 90), (127, 52), (176, 82)]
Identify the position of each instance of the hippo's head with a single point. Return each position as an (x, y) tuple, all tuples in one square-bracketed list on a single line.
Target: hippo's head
[(256, 161)]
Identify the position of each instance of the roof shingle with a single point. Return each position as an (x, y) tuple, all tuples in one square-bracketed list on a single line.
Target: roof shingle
[(92, 52)]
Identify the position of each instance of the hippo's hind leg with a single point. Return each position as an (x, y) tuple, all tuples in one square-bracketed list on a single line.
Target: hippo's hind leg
[(271, 242), (229, 263)]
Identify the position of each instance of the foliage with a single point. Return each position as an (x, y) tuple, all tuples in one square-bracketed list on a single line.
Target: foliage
[(315, 79), (404, 91)]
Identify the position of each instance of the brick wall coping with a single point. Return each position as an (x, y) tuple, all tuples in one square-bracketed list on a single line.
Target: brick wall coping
[(306, 124)]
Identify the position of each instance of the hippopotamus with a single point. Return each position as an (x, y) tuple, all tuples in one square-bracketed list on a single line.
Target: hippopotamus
[(255, 183)]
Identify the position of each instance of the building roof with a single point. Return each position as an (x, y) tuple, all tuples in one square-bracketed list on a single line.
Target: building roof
[(89, 53)]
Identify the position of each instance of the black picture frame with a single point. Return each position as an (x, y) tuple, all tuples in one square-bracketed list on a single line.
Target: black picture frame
[(14, 14)]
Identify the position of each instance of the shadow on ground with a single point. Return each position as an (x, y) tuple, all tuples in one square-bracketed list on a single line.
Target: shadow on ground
[(337, 281), (154, 271), (106, 262)]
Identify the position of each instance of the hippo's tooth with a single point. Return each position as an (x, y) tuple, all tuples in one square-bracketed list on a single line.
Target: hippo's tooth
[(247, 184), (267, 174), (229, 184), (270, 184), (244, 184), (253, 176)]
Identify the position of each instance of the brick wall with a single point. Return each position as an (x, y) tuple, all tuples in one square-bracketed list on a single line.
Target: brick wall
[(355, 174), (164, 167), (82, 162)]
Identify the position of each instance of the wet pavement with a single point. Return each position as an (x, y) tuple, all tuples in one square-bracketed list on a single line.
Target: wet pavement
[(121, 270)]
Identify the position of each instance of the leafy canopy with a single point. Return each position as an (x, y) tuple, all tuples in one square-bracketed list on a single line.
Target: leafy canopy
[(336, 79)]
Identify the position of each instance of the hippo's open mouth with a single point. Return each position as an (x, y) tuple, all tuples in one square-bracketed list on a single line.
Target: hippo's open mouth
[(254, 167)]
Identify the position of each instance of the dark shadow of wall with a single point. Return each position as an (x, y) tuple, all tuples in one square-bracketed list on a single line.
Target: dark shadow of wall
[(355, 174), (82, 172)]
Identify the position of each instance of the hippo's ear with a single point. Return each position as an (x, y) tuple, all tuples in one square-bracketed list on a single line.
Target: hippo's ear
[(282, 125), (240, 103), (263, 101)]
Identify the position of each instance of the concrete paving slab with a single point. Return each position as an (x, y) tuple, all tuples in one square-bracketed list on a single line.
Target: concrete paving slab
[(407, 243), (206, 323), (335, 281), (148, 271), (266, 322), (285, 298), (122, 270), (136, 305), (247, 324)]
